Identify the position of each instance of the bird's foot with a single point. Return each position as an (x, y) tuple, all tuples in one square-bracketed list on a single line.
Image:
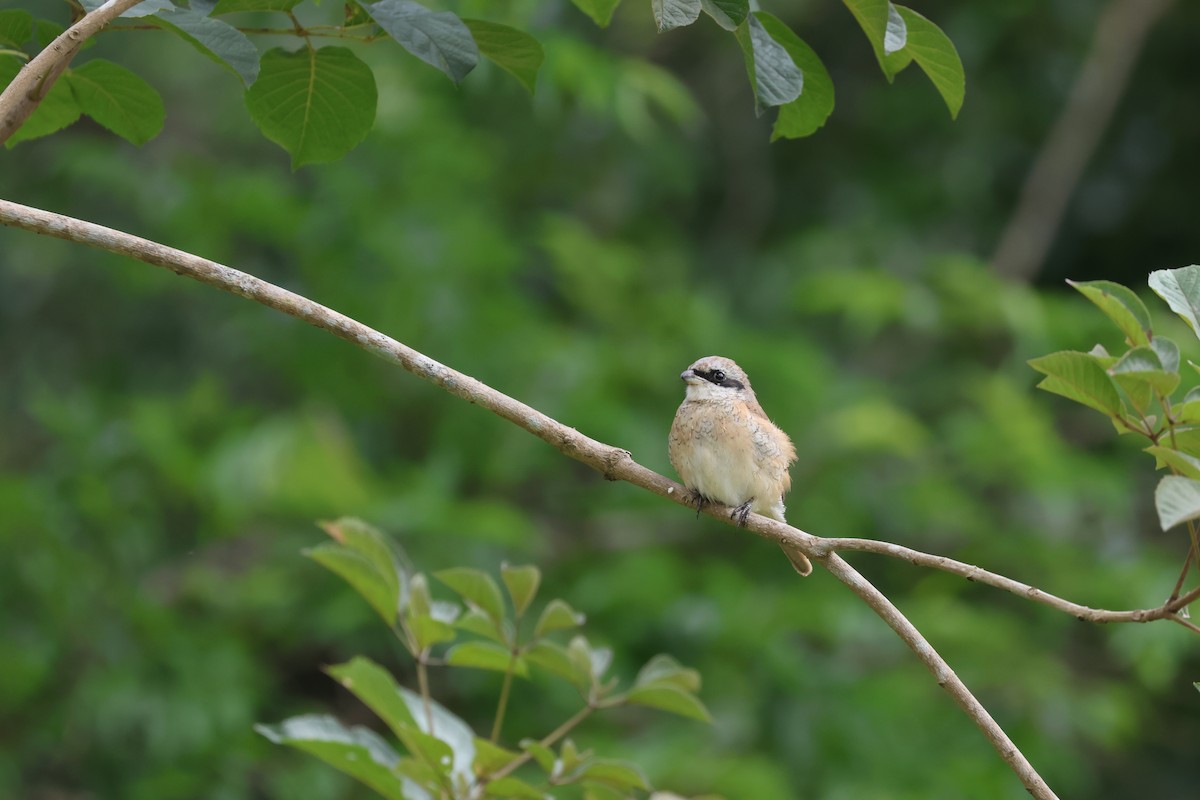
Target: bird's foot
[(741, 512), (698, 500)]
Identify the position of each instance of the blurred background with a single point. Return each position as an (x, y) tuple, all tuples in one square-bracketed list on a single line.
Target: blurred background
[(165, 448)]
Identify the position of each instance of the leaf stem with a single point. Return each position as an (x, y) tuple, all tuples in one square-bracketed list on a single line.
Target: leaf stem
[(503, 704), (423, 683), (550, 739)]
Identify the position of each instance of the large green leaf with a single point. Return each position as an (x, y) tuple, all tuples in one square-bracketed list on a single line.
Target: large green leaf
[(670, 14), (935, 54), (16, 26), (601, 11), (477, 588), (1177, 500), (872, 17), (808, 112), (439, 38), (221, 42), (58, 108), (1181, 289), (315, 104), (486, 655), (118, 99), (775, 78), (1143, 365), (729, 14), (1079, 377), (360, 573), (514, 51), (378, 690), (355, 751), (1121, 305), (1185, 465)]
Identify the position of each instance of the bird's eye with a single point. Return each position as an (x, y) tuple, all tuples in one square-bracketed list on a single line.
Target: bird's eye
[(718, 376)]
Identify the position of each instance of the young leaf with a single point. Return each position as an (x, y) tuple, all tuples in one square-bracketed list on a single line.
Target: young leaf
[(1185, 465), (601, 11), (355, 569), (729, 14), (1121, 305), (480, 623), (670, 14), (378, 690), (439, 38), (553, 658), (617, 774), (485, 655), (355, 751), (118, 99), (774, 76), (543, 755), (1177, 500), (514, 51), (491, 757), (315, 104), (665, 669), (509, 786), (1181, 289), (808, 112), (221, 42), (669, 697), (377, 548), (935, 54), (475, 587), (1079, 377), (557, 616), (428, 631), (522, 584)]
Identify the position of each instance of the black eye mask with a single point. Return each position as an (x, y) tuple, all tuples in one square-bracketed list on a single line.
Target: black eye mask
[(719, 378)]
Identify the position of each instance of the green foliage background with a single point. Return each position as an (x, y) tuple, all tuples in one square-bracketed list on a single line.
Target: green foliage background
[(164, 448)]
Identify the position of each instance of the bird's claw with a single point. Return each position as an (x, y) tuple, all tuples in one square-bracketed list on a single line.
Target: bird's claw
[(741, 513), (699, 500)]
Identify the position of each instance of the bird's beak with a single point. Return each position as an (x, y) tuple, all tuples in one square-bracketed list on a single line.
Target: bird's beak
[(688, 376)]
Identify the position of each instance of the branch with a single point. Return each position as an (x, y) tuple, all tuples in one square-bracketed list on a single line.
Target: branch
[(1120, 36), (971, 572), (614, 463), (21, 97)]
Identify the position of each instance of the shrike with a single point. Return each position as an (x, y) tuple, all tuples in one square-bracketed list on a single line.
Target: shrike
[(727, 451)]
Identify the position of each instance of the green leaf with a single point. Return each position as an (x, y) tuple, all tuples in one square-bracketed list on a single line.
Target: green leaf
[(872, 17), (315, 104), (1142, 365), (935, 54), (1186, 440), (485, 655), (355, 751), (617, 774), (593, 661), (665, 669), (1181, 289), (1121, 305), (808, 112), (729, 14), (480, 623), (235, 6), (491, 757), (543, 755), (439, 38), (355, 569), (557, 616), (477, 588), (1177, 500), (553, 658), (1167, 351), (378, 690), (372, 543), (16, 26), (668, 697), (58, 108), (522, 584), (774, 76), (117, 99), (1079, 377), (601, 11), (514, 51), (143, 9), (670, 14), (217, 40), (428, 631), (1188, 466), (513, 787)]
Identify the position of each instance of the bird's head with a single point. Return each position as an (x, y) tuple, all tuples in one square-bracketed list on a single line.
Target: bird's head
[(716, 378)]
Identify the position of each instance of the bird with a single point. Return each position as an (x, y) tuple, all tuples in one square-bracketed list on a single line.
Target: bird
[(726, 450)]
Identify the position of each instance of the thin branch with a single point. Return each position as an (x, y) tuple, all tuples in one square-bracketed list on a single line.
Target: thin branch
[(550, 739), (974, 573), (1121, 33), (34, 80)]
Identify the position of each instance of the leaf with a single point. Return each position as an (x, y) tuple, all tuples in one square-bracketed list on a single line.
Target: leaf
[(553, 658), (935, 54), (1168, 353), (522, 584), (485, 655), (480, 623), (514, 51), (601, 11), (774, 76), (477, 588), (668, 697), (1184, 464), (315, 104), (895, 35), (378, 690), (235, 6), (219, 41), (592, 661), (670, 14), (355, 751), (439, 38), (381, 551), (1142, 364), (557, 616), (58, 108), (1181, 289), (617, 774), (663, 668), (1079, 377), (808, 112), (16, 26), (117, 99), (1121, 305), (543, 755), (428, 631), (729, 14), (490, 757), (355, 569), (143, 9), (872, 17), (509, 786), (1177, 500)]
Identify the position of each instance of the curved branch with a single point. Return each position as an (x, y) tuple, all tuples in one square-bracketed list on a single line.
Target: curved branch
[(21, 97), (1167, 610)]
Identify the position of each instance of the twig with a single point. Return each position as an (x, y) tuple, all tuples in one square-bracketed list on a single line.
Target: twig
[(550, 739), (1120, 35), (34, 80)]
